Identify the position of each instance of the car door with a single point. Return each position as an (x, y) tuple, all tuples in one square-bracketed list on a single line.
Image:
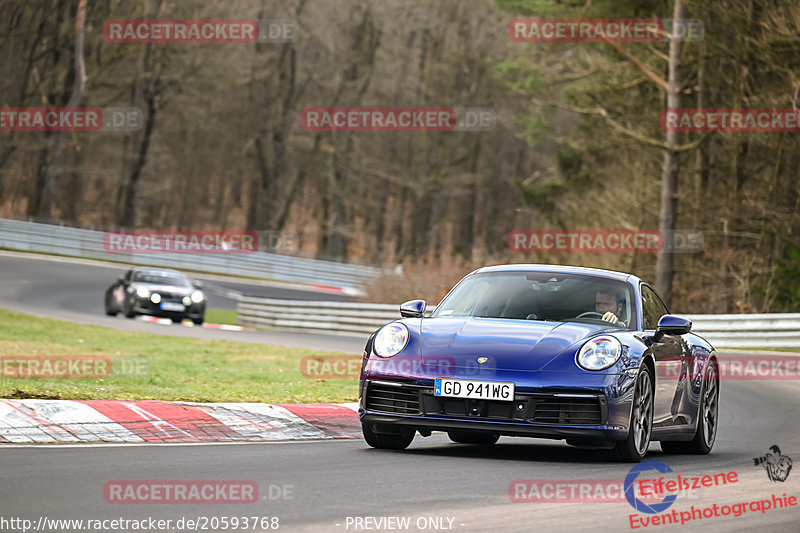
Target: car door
[(668, 356)]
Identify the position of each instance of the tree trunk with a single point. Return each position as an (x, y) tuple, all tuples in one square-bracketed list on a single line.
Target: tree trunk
[(46, 205), (669, 170), (128, 215)]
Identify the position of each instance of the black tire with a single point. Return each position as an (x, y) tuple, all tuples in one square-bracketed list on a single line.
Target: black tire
[(108, 306), (129, 313), (387, 441), (177, 319), (472, 437), (634, 447), (198, 321), (707, 419)]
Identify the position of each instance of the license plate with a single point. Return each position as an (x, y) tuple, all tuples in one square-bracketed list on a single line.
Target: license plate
[(479, 390), (171, 306)]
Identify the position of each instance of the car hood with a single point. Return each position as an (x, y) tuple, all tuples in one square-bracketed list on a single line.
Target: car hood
[(174, 289), (526, 345)]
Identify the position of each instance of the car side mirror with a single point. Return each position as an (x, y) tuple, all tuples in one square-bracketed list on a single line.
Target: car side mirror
[(672, 325), (413, 309)]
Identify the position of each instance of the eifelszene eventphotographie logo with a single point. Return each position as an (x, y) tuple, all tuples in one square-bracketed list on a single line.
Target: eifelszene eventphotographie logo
[(775, 463)]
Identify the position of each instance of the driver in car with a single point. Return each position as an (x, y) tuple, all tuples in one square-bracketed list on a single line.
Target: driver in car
[(610, 303)]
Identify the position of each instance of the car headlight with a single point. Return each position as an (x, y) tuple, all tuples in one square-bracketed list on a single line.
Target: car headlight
[(390, 339), (143, 292), (197, 297), (187, 301), (155, 298), (599, 353)]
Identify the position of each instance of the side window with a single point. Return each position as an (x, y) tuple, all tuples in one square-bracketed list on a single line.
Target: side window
[(652, 308)]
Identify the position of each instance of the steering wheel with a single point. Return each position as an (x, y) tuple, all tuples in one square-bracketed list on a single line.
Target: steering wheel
[(587, 313)]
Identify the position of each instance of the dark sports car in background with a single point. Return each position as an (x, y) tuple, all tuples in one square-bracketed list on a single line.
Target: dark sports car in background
[(582, 354), (156, 292)]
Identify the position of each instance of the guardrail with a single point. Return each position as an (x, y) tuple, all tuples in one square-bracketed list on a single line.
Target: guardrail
[(337, 318), (775, 330), (63, 240), (729, 331)]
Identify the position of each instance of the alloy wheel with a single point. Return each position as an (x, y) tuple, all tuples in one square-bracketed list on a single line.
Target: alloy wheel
[(642, 413), (710, 405)]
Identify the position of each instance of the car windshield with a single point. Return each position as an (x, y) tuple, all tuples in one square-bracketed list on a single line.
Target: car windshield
[(545, 296), (161, 278)]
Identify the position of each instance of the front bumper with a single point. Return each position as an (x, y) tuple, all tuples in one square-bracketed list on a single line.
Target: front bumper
[(144, 306), (599, 413)]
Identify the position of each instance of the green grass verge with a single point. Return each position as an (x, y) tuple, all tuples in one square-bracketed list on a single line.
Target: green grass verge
[(158, 367), (219, 316)]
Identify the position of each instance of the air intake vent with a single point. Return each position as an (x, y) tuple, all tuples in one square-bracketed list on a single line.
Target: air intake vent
[(568, 411), (389, 399)]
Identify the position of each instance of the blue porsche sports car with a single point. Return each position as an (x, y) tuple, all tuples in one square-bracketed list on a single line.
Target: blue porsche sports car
[(587, 355)]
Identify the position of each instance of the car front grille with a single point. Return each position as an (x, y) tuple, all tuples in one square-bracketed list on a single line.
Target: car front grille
[(565, 410), (458, 407), (392, 399), (167, 296), (551, 408)]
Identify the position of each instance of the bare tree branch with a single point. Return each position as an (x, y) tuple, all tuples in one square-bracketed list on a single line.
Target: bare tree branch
[(652, 76)]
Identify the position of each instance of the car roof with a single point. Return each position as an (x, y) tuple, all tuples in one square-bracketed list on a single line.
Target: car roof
[(587, 271), (148, 270)]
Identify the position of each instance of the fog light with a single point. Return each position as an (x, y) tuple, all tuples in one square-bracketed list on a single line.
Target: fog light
[(187, 301)]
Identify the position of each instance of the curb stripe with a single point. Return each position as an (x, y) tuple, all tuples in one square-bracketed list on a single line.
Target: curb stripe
[(168, 322), (336, 421), (164, 422), (85, 423), (32, 421), (263, 421)]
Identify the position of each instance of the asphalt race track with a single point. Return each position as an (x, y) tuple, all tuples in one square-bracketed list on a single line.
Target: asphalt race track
[(325, 485), (74, 289), (331, 480)]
